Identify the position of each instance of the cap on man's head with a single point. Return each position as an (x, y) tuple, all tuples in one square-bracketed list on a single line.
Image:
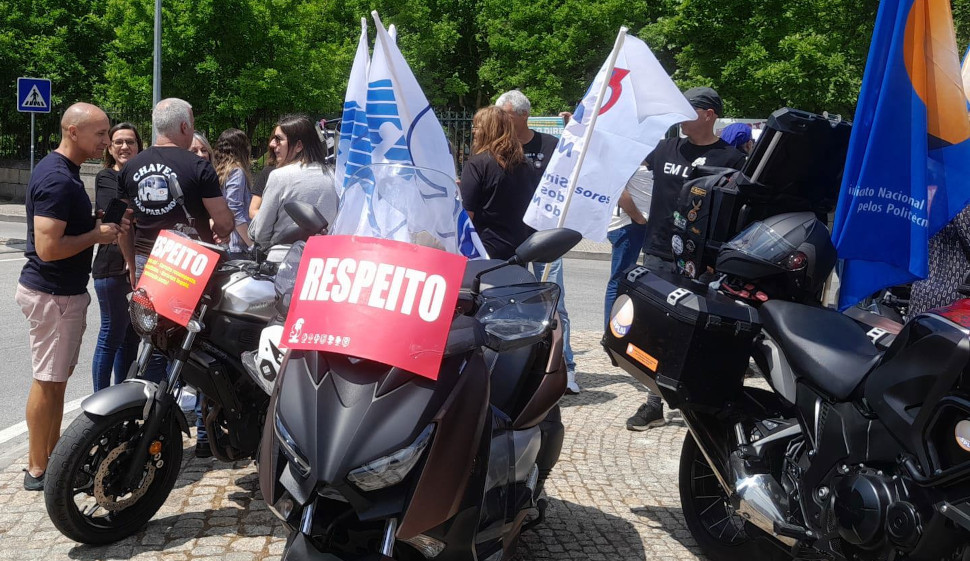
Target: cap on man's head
[(736, 134), (705, 98)]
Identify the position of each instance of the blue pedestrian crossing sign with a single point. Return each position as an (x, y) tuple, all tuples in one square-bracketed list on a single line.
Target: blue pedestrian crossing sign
[(33, 95)]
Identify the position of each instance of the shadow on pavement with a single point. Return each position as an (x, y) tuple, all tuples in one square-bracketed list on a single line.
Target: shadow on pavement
[(169, 534), (571, 529), (671, 521), (598, 380), (587, 397)]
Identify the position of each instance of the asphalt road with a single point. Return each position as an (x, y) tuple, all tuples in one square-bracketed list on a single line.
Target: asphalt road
[(585, 284)]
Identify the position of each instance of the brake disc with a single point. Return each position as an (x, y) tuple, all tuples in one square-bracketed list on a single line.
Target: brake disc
[(113, 503)]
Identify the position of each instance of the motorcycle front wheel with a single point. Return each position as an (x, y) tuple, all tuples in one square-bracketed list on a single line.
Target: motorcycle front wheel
[(86, 499), (722, 533)]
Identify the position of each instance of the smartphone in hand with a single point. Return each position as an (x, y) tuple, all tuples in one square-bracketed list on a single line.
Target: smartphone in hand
[(115, 212)]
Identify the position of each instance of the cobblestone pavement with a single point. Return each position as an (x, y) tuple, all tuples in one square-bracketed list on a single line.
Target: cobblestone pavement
[(613, 495)]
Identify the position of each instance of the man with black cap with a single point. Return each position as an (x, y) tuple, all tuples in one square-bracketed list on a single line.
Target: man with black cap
[(672, 162)]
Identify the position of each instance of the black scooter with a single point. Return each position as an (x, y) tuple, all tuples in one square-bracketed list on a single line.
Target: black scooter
[(367, 461)]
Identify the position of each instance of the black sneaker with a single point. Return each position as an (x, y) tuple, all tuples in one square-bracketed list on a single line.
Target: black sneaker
[(32, 483), (649, 415), (202, 449)]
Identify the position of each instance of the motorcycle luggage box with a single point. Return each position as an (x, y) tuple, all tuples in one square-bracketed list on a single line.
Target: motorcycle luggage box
[(683, 340)]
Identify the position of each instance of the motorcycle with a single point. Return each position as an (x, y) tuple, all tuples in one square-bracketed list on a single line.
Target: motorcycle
[(853, 452), (363, 460), (117, 462)]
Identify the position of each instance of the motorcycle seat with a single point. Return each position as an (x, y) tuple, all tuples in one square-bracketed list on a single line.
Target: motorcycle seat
[(513, 274), (826, 348)]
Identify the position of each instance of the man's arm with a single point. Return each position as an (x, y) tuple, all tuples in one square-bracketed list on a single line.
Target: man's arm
[(52, 244), (629, 207), (222, 220)]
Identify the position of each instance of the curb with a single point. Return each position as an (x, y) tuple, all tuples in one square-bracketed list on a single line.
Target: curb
[(594, 255)]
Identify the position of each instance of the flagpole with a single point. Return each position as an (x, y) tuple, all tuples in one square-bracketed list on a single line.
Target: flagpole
[(588, 134), (402, 107)]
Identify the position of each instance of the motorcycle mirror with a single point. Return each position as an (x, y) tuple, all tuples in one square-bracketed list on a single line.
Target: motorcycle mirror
[(289, 234), (546, 246), (306, 216)]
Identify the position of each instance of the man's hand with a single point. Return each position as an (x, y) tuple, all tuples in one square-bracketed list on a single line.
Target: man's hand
[(106, 233)]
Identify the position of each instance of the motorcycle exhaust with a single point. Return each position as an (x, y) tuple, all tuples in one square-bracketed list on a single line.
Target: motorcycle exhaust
[(761, 499)]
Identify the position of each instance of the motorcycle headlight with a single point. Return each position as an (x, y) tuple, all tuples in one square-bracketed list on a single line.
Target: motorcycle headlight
[(286, 274), (393, 468), (144, 318), (289, 447)]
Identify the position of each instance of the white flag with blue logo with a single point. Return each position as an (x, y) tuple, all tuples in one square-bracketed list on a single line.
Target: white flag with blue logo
[(640, 104), (401, 126)]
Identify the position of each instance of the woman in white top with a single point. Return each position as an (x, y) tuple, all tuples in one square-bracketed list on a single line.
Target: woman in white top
[(300, 175)]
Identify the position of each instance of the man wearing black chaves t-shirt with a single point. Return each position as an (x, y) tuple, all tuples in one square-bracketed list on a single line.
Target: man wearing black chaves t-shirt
[(52, 291), (538, 148), (167, 185), (672, 162)]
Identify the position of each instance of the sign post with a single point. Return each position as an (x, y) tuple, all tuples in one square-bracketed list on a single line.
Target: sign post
[(33, 96)]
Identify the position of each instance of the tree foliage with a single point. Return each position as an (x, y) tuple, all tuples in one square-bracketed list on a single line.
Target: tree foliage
[(808, 54), (238, 61)]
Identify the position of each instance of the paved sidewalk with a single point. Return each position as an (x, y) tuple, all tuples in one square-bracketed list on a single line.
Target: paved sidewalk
[(613, 495)]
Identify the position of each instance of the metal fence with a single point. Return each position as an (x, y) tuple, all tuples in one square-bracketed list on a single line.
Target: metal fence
[(15, 132)]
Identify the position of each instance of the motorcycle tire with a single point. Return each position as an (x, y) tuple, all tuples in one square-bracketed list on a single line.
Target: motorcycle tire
[(722, 534), (77, 472)]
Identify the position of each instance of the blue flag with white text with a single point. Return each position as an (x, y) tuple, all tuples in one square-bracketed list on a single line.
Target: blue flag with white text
[(908, 168)]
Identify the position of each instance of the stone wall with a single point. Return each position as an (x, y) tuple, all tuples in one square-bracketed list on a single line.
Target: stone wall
[(15, 174)]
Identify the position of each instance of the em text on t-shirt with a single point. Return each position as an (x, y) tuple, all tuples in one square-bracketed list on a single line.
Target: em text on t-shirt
[(672, 162)]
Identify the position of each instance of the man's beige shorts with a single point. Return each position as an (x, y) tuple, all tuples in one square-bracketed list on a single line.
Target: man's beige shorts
[(56, 326)]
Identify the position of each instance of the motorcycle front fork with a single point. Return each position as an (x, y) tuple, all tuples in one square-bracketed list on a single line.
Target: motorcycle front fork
[(157, 408), (387, 542)]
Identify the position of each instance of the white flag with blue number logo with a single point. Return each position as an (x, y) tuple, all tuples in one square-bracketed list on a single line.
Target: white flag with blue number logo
[(640, 103)]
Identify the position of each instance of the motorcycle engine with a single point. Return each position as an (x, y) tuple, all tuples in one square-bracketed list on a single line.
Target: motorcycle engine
[(868, 508)]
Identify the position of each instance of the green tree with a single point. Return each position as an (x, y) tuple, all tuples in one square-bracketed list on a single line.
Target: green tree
[(236, 61), (552, 49), (808, 54), (54, 39)]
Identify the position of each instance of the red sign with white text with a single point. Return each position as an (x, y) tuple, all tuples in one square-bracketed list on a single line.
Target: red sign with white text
[(382, 300), (176, 274)]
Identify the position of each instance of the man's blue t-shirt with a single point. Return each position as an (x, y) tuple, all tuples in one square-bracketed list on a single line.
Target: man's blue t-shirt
[(56, 191)]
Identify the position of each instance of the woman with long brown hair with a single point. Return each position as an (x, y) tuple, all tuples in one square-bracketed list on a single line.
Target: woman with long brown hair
[(300, 175), (496, 183), (232, 162)]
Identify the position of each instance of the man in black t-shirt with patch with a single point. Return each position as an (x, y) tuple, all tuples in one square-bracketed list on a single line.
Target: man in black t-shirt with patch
[(672, 162), (167, 185)]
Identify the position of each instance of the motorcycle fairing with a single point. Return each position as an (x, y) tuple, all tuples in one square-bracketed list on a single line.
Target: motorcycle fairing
[(923, 365), (441, 486)]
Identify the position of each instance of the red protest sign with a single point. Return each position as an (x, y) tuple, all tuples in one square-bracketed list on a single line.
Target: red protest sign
[(176, 274), (382, 300)]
